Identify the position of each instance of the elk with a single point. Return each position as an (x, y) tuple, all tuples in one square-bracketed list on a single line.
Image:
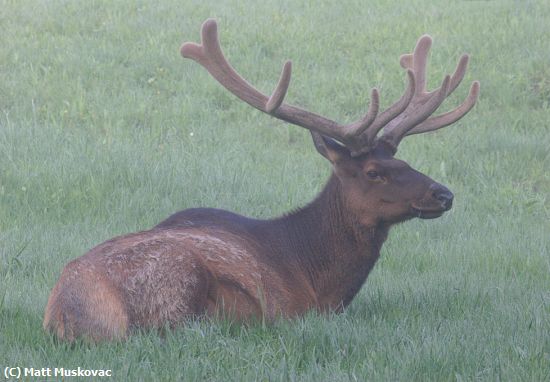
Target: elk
[(209, 262)]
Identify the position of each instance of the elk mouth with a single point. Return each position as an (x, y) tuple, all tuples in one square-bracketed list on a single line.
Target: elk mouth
[(424, 213)]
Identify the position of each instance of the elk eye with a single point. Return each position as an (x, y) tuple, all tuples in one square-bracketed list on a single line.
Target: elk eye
[(373, 174)]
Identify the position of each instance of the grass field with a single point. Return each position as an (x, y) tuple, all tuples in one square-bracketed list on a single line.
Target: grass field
[(105, 130)]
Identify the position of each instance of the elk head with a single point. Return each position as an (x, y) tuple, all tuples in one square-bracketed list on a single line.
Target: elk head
[(377, 187)]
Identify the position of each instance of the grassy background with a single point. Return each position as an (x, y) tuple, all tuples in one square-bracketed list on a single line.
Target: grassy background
[(105, 130)]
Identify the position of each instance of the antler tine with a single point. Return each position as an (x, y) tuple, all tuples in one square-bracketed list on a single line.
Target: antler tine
[(450, 117), (387, 115), (279, 93), (459, 73), (420, 61), (357, 128), (210, 55)]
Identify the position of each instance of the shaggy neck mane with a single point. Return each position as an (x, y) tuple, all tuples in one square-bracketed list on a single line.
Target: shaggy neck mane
[(325, 241)]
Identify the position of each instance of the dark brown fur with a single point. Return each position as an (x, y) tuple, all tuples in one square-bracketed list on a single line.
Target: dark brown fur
[(213, 262)]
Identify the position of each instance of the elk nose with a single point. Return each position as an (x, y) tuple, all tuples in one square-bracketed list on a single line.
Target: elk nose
[(443, 194)]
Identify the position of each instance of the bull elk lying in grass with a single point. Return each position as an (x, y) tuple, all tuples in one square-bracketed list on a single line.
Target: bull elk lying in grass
[(211, 262)]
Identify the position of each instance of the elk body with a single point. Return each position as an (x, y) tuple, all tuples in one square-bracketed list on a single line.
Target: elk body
[(212, 262)]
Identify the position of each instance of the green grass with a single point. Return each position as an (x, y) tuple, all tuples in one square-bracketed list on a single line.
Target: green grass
[(105, 130)]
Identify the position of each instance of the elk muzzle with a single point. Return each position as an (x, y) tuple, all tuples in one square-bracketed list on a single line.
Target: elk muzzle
[(435, 202), (443, 195)]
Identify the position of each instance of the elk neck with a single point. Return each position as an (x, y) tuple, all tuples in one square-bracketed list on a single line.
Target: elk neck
[(326, 242)]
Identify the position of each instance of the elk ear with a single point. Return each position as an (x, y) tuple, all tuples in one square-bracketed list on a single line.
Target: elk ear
[(329, 148)]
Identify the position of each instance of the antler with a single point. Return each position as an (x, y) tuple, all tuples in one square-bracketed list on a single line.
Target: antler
[(414, 119), (404, 117), (209, 55)]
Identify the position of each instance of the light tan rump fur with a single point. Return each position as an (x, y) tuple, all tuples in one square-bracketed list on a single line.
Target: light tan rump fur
[(84, 303), (156, 278)]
